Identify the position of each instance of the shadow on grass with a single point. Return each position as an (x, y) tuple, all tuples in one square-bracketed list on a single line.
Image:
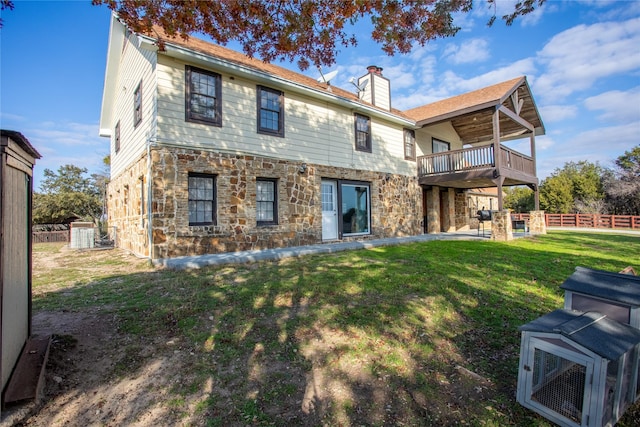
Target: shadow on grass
[(417, 334)]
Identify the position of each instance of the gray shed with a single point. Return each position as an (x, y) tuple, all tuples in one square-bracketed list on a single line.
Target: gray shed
[(578, 369), (17, 158), (614, 294)]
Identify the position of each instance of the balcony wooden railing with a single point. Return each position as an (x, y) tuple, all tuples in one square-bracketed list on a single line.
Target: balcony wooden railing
[(473, 158)]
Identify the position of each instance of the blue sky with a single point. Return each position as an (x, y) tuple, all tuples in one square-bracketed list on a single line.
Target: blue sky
[(582, 60)]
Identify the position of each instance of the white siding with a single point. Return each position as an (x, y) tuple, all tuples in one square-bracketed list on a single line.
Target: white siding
[(382, 92), (316, 132), (136, 65), (442, 131)]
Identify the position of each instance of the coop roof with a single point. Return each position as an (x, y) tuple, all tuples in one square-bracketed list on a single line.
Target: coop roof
[(21, 140), (618, 287), (606, 337)]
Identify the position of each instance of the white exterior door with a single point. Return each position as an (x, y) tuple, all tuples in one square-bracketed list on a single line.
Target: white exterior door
[(329, 210)]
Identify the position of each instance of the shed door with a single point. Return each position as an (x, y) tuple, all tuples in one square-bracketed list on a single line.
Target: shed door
[(557, 382)]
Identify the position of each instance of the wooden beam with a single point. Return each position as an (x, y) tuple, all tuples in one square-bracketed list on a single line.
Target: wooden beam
[(513, 116), (532, 141), (499, 181), (496, 139)]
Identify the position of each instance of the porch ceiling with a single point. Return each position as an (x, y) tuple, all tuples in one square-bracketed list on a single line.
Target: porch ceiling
[(482, 178), (471, 114)]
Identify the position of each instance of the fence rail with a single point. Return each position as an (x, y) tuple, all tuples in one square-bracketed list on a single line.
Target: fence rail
[(50, 236), (588, 220)]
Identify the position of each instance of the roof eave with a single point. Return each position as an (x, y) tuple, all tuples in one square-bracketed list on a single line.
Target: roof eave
[(457, 113), (114, 51)]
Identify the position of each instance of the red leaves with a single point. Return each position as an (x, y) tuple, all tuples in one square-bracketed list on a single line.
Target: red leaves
[(309, 31)]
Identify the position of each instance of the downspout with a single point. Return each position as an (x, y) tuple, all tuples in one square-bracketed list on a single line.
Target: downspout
[(149, 201)]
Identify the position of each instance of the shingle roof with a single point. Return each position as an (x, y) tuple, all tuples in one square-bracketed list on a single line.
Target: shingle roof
[(618, 287), (488, 95), (596, 332), (22, 141)]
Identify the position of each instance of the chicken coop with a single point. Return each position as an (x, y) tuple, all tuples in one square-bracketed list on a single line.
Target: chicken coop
[(615, 294), (578, 369)]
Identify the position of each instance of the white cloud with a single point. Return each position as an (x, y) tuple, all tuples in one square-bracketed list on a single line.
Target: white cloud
[(576, 58), (470, 51), (458, 85), (61, 143), (558, 113), (588, 146), (616, 105), (8, 117)]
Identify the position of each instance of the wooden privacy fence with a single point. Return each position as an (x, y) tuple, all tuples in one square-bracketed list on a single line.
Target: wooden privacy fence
[(50, 236), (588, 220)]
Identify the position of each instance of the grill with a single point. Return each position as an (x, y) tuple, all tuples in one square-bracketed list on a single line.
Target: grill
[(482, 215)]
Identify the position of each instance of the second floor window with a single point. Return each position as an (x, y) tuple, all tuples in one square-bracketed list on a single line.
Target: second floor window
[(363, 133), (409, 144), (270, 111), (203, 97), (116, 137), (137, 105)]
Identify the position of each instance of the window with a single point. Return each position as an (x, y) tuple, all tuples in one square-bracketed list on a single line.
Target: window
[(116, 137), (266, 201), (137, 105), (203, 97), (141, 180), (409, 144), (439, 146), (363, 133), (202, 199), (270, 111), (440, 163), (356, 215)]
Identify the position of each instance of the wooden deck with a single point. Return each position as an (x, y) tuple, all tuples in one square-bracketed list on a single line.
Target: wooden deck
[(476, 167)]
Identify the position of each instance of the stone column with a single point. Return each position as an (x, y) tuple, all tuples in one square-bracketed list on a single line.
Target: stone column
[(537, 224), (450, 211), (433, 211), (501, 226)]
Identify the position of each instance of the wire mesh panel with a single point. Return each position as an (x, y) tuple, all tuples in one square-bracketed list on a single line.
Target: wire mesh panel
[(558, 384)]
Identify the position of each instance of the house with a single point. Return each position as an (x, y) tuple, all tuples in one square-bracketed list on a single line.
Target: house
[(17, 159), (212, 151)]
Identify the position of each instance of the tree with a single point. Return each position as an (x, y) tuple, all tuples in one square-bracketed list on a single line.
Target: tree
[(519, 199), (308, 30), (576, 188), (5, 4), (67, 195), (622, 185)]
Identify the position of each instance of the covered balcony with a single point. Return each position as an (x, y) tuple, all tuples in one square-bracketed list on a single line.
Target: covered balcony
[(484, 120), (476, 167)]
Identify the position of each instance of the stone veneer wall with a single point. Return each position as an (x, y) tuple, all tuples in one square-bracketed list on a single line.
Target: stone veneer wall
[(126, 208), (396, 203), (501, 226), (433, 210), (537, 224), (462, 212)]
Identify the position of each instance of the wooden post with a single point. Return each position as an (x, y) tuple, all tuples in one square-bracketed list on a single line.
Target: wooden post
[(497, 156)]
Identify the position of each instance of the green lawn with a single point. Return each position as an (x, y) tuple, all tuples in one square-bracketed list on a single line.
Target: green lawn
[(384, 336)]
